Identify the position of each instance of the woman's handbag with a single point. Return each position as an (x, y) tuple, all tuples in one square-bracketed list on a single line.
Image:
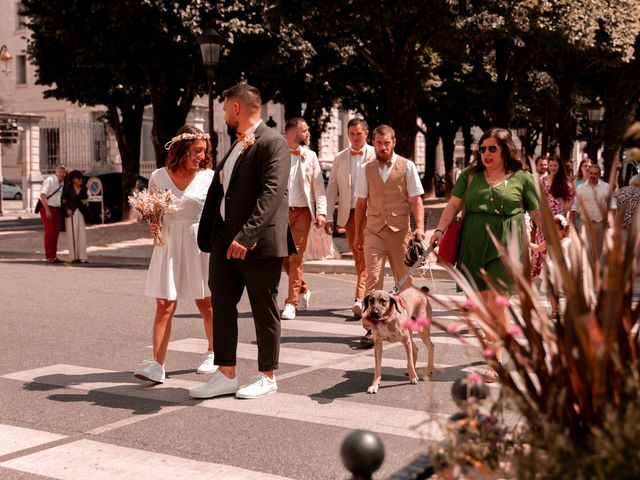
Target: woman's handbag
[(450, 241)]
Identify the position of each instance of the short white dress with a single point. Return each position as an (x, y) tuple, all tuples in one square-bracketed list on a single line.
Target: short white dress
[(178, 269)]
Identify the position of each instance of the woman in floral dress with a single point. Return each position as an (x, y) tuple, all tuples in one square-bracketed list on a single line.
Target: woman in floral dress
[(559, 192)]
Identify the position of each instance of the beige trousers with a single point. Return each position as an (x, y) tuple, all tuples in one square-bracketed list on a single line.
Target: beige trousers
[(383, 245)]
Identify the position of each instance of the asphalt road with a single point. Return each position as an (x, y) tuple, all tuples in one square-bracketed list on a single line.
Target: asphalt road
[(71, 408)]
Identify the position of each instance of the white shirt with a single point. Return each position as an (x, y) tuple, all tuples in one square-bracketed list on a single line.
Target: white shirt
[(356, 163), (414, 185), (227, 168), (296, 195), (49, 186), (594, 200)]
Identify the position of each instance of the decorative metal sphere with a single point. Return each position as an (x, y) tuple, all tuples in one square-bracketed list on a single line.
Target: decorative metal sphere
[(464, 388), (362, 453)]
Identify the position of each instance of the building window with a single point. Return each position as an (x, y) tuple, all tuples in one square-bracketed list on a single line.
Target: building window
[(21, 20), (21, 69), (49, 149)]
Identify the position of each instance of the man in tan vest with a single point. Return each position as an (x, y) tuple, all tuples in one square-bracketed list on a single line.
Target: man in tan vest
[(388, 189), (342, 187)]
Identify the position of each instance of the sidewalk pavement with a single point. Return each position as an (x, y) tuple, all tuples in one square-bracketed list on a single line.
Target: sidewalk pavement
[(129, 243)]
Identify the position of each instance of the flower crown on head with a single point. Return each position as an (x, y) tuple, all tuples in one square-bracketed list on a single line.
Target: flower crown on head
[(186, 136)]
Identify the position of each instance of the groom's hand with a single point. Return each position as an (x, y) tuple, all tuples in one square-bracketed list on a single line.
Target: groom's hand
[(236, 250)]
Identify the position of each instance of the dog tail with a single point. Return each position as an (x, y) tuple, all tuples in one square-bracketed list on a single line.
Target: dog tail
[(425, 290)]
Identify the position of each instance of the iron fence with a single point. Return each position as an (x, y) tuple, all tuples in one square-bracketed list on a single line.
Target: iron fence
[(80, 145)]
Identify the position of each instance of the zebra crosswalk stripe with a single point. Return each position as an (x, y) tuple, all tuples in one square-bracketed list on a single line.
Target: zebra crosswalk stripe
[(337, 413), (84, 459)]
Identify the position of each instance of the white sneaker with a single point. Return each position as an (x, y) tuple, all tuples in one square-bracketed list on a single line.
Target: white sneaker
[(304, 301), (357, 308), (207, 365), (218, 385), (151, 372), (259, 387), (289, 312)]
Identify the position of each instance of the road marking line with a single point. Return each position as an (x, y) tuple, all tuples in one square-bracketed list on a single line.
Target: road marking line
[(341, 413), (14, 439), (313, 358), (102, 461)]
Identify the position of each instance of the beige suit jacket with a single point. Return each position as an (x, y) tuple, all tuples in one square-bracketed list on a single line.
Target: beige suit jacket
[(312, 182), (341, 186)]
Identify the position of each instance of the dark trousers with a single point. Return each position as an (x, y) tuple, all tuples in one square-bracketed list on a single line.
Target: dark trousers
[(227, 281)]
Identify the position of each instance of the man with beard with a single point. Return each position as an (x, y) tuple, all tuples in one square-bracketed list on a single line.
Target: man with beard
[(244, 226), (387, 189), (307, 203)]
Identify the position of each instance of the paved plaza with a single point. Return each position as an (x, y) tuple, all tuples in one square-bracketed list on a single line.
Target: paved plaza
[(72, 336)]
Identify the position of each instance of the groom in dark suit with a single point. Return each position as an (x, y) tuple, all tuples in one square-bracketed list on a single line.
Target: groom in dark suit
[(244, 225)]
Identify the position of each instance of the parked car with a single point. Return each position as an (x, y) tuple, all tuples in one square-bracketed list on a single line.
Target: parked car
[(11, 191), (112, 196)]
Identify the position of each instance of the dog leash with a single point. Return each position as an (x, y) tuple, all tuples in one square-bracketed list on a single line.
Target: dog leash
[(418, 263)]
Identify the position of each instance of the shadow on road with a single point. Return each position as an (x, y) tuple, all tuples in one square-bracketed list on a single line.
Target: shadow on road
[(134, 396)]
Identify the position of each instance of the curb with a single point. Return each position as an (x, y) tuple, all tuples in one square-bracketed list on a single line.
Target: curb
[(311, 266)]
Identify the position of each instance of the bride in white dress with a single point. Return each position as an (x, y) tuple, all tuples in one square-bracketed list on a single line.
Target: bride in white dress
[(178, 269)]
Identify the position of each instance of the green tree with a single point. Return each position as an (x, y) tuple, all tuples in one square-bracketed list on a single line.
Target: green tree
[(68, 46), (384, 38)]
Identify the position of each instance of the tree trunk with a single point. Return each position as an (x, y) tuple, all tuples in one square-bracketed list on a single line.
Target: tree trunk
[(448, 135), (431, 138), (567, 124), (401, 101), (169, 114), (128, 133), (468, 143)]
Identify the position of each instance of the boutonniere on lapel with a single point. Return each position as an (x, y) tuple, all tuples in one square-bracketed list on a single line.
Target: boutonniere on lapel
[(247, 140), (302, 155)]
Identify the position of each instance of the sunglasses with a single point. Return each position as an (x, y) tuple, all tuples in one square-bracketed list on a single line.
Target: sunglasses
[(491, 148)]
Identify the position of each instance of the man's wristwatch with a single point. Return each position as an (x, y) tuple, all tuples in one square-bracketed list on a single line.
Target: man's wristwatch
[(438, 230)]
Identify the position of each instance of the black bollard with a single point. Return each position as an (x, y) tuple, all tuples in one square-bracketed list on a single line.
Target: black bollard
[(362, 453)]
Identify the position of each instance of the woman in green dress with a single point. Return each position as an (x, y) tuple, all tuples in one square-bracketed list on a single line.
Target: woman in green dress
[(495, 191)]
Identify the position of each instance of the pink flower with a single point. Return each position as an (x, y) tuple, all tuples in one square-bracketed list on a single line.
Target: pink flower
[(423, 321), (502, 301), (411, 325), (515, 330), (469, 305), (474, 378), (453, 328), (487, 352)]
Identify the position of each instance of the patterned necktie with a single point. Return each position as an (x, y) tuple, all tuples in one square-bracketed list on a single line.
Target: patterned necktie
[(240, 135), (295, 152), (356, 153)]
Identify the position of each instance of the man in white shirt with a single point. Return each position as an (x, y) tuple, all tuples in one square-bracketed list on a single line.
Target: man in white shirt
[(50, 197), (342, 187), (591, 203), (388, 189), (307, 203)]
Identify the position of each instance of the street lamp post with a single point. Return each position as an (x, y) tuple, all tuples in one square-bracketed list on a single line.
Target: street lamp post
[(210, 42), (595, 114), (5, 58)]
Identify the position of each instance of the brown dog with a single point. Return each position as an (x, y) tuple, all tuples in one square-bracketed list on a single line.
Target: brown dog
[(386, 314)]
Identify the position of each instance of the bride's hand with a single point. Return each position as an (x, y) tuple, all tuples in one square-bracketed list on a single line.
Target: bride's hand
[(155, 228)]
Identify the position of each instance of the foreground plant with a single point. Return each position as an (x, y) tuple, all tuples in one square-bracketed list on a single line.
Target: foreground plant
[(574, 377)]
